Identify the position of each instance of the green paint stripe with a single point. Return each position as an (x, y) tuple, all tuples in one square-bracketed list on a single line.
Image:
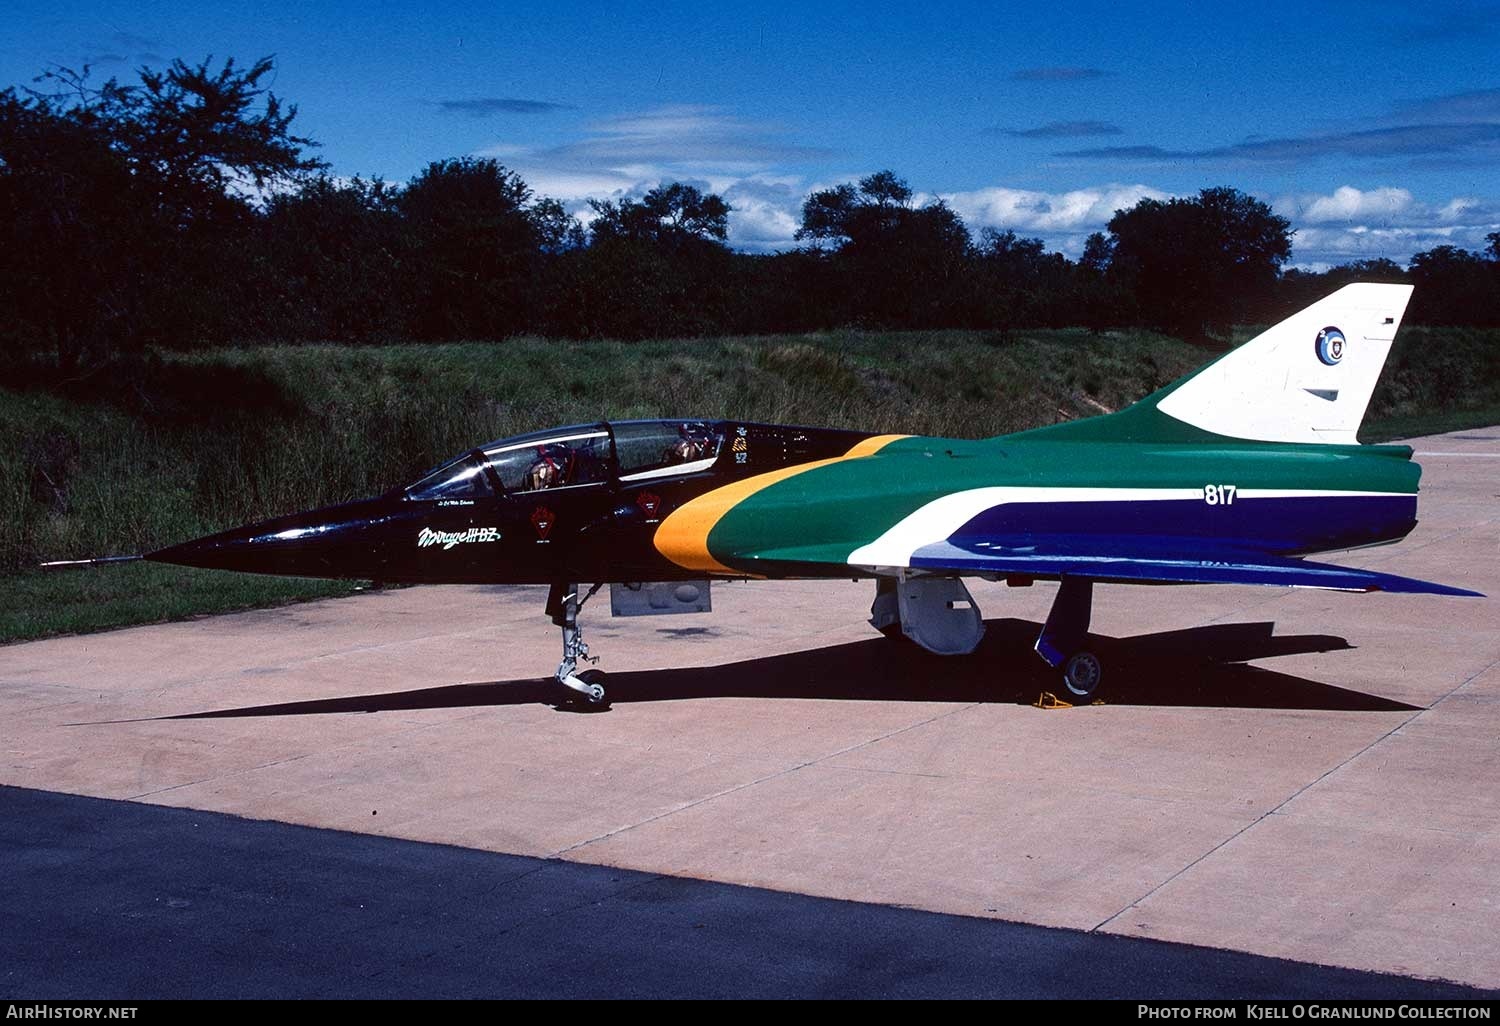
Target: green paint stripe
[(837, 508)]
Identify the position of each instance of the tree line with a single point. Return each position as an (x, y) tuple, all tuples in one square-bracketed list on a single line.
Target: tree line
[(183, 210)]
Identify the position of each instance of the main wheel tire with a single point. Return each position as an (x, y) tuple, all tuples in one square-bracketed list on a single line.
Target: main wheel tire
[(1081, 674)]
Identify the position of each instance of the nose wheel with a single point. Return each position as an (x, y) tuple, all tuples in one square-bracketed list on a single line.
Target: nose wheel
[(563, 605), (589, 684)]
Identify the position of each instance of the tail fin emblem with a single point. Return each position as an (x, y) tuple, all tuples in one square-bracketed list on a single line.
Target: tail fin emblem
[(1330, 346)]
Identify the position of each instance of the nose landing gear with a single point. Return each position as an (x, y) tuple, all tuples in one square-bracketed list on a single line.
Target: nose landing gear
[(563, 605)]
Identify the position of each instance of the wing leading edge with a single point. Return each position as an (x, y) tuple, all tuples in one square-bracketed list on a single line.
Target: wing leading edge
[(978, 556)]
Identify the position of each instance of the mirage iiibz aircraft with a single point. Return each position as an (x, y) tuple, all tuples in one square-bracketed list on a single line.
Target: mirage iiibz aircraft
[(1230, 476)]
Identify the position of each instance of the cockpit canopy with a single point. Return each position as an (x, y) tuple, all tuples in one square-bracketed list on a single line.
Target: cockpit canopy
[(588, 454)]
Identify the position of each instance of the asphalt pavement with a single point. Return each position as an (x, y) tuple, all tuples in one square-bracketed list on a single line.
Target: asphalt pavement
[(108, 899)]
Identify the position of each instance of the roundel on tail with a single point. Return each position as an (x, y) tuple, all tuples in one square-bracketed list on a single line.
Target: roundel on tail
[(1330, 346)]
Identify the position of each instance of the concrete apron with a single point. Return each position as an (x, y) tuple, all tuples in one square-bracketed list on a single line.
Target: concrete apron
[(1335, 803)]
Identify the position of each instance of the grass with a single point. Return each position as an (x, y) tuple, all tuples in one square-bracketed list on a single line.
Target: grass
[(1416, 425), (172, 446), (37, 605), (1436, 380)]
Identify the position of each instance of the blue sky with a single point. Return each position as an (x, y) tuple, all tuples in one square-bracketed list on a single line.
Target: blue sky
[(1374, 127)]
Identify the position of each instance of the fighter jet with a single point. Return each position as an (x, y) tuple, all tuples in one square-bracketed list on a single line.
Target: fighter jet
[(1232, 475)]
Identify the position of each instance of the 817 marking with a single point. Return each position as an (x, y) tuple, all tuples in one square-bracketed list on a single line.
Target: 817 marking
[(1219, 495)]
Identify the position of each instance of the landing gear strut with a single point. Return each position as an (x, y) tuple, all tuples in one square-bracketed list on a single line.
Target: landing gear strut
[(563, 605), (1063, 635)]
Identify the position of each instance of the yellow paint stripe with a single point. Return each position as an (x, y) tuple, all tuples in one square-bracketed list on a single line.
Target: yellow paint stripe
[(683, 535), (870, 446)]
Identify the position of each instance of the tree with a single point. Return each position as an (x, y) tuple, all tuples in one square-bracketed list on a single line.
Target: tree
[(854, 216), (1201, 264), (197, 134), (557, 230), (332, 255), (654, 266), (1022, 284), (1101, 299), (674, 215), (74, 220), (1454, 286), (138, 199), (1299, 289), (1098, 251), (475, 248), (905, 266)]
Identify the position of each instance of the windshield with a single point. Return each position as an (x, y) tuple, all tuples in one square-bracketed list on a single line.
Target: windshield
[(462, 478)]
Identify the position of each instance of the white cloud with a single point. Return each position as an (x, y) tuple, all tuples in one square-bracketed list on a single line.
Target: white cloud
[(679, 140), (1385, 207), (1322, 247), (1028, 210), (627, 156), (1360, 224), (766, 214), (1460, 208), (575, 187), (1348, 203), (753, 170), (1063, 219)]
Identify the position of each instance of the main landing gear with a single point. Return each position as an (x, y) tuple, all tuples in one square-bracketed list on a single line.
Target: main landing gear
[(1063, 636), (563, 605), (938, 614)]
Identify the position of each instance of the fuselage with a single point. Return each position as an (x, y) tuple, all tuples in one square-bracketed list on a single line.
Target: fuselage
[(1020, 493), (664, 500)]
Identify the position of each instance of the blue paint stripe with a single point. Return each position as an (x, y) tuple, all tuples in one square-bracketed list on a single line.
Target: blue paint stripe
[(1271, 525), (1056, 558)]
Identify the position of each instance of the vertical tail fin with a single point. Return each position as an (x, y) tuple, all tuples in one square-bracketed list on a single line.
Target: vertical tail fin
[(1308, 379)]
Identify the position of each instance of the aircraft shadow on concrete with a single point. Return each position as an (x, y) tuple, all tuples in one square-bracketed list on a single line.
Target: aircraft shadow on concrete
[(1200, 666)]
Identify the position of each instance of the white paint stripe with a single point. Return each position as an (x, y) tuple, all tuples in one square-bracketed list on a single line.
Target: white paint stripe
[(671, 471), (937, 520), (1315, 493), (1475, 455)]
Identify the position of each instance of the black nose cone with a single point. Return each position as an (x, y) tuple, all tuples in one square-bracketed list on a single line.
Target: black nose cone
[(340, 541)]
